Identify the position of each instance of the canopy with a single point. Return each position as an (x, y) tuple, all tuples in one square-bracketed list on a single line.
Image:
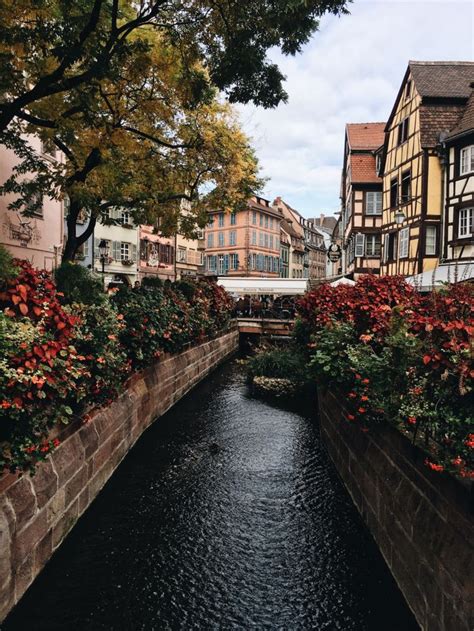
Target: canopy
[(342, 281), (241, 286), (446, 273)]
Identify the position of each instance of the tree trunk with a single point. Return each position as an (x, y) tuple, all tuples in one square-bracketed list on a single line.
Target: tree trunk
[(74, 241)]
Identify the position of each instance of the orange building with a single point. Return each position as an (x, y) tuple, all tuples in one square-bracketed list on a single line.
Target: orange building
[(245, 243)]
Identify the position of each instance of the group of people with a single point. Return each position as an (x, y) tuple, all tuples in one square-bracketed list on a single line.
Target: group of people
[(265, 307)]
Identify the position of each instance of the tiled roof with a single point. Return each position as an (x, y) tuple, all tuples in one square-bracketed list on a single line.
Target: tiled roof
[(466, 122), (435, 119), (443, 79), (328, 222), (363, 169), (288, 228), (365, 136)]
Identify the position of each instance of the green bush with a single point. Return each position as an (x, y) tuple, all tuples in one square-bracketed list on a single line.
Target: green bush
[(152, 282), (280, 363), (8, 269), (79, 285)]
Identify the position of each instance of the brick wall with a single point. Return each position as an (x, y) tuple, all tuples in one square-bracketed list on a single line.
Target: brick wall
[(36, 513), (422, 521)]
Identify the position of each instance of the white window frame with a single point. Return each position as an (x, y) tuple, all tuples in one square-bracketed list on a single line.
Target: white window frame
[(220, 220), (465, 222), (221, 238), (373, 203), (254, 237), (182, 255), (125, 251), (359, 250), (210, 240), (232, 237), (466, 160), (370, 245), (403, 243), (431, 237)]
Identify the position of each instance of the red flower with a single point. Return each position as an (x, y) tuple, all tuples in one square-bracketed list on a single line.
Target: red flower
[(365, 381), (352, 395), (433, 466), (362, 410), (350, 417), (412, 420)]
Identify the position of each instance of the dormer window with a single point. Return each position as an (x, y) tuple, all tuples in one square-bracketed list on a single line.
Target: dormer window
[(467, 160)]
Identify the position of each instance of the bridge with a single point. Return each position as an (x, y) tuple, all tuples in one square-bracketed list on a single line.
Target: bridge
[(263, 326)]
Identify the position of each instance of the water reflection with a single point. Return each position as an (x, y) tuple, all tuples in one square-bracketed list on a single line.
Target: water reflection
[(226, 515)]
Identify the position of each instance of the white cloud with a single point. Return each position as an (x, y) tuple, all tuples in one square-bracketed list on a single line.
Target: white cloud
[(349, 72)]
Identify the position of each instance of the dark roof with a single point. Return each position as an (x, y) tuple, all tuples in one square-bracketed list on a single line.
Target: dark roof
[(365, 136), (436, 119), (328, 222), (363, 169), (443, 79), (466, 122)]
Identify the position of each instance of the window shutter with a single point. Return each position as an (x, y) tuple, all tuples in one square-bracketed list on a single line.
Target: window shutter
[(236, 261), (134, 252), (96, 248), (116, 250), (369, 208), (359, 244), (226, 263), (385, 247)]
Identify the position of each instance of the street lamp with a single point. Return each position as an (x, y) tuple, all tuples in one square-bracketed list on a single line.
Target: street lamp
[(399, 219), (103, 256)]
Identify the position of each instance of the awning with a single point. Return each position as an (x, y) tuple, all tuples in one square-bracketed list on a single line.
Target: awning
[(242, 286), (342, 281), (443, 274)]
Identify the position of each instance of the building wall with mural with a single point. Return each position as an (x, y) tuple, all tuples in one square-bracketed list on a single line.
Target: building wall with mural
[(37, 238)]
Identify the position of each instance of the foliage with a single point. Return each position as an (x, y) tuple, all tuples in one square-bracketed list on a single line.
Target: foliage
[(7, 266), (280, 363), (401, 357), (78, 284), (56, 360)]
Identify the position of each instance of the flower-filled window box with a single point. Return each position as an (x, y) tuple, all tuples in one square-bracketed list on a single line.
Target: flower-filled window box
[(127, 262)]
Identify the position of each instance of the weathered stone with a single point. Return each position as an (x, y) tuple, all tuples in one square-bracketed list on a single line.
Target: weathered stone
[(68, 458), (22, 499), (45, 482), (27, 539)]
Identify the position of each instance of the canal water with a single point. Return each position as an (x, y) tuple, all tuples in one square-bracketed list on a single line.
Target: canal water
[(226, 515)]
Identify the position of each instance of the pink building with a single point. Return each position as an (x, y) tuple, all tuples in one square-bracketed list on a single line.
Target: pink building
[(38, 238), (157, 255), (245, 243)]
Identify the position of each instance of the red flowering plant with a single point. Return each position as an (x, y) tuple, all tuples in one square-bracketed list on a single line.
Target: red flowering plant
[(400, 357), (41, 375)]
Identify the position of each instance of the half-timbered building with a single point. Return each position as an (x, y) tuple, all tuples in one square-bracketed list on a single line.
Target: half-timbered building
[(361, 199), (459, 214), (429, 103)]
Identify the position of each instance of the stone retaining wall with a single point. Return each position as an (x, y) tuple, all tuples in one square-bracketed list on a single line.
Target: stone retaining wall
[(36, 513), (422, 521)]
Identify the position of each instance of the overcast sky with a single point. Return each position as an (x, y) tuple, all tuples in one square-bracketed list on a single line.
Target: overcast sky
[(349, 72)]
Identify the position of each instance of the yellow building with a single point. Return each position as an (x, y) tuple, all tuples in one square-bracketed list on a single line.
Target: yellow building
[(428, 104)]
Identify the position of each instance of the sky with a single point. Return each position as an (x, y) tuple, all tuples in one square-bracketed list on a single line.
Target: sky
[(350, 71)]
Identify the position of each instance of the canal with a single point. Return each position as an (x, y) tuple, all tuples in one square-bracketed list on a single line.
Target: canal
[(227, 514)]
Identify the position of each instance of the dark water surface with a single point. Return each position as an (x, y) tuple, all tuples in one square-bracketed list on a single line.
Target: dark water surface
[(257, 533)]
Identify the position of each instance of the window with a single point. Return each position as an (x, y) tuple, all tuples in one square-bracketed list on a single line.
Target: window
[(393, 193), (211, 221), (260, 239), (406, 187), (211, 263), (359, 244), (389, 246), (221, 238), (85, 248), (124, 217), (271, 242), (48, 148), (124, 251), (261, 219), (467, 160), (220, 220), (254, 237), (35, 205), (181, 255), (403, 132), (465, 222), (403, 246), (266, 240), (373, 203), (372, 245), (431, 234), (271, 223), (210, 240), (234, 261), (408, 89), (232, 237), (266, 221), (233, 218), (254, 217)]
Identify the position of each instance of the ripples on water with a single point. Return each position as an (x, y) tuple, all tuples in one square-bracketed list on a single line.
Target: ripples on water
[(226, 515)]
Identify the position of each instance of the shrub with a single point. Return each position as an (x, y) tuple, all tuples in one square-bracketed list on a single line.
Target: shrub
[(79, 285), (152, 282), (8, 269), (400, 357), (279, 363)]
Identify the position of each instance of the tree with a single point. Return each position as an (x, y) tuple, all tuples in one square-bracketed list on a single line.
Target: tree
[(154, 137), (50, 47)]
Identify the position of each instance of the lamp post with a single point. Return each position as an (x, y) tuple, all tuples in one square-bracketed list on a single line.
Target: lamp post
[(103, 256), (399, 219)]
